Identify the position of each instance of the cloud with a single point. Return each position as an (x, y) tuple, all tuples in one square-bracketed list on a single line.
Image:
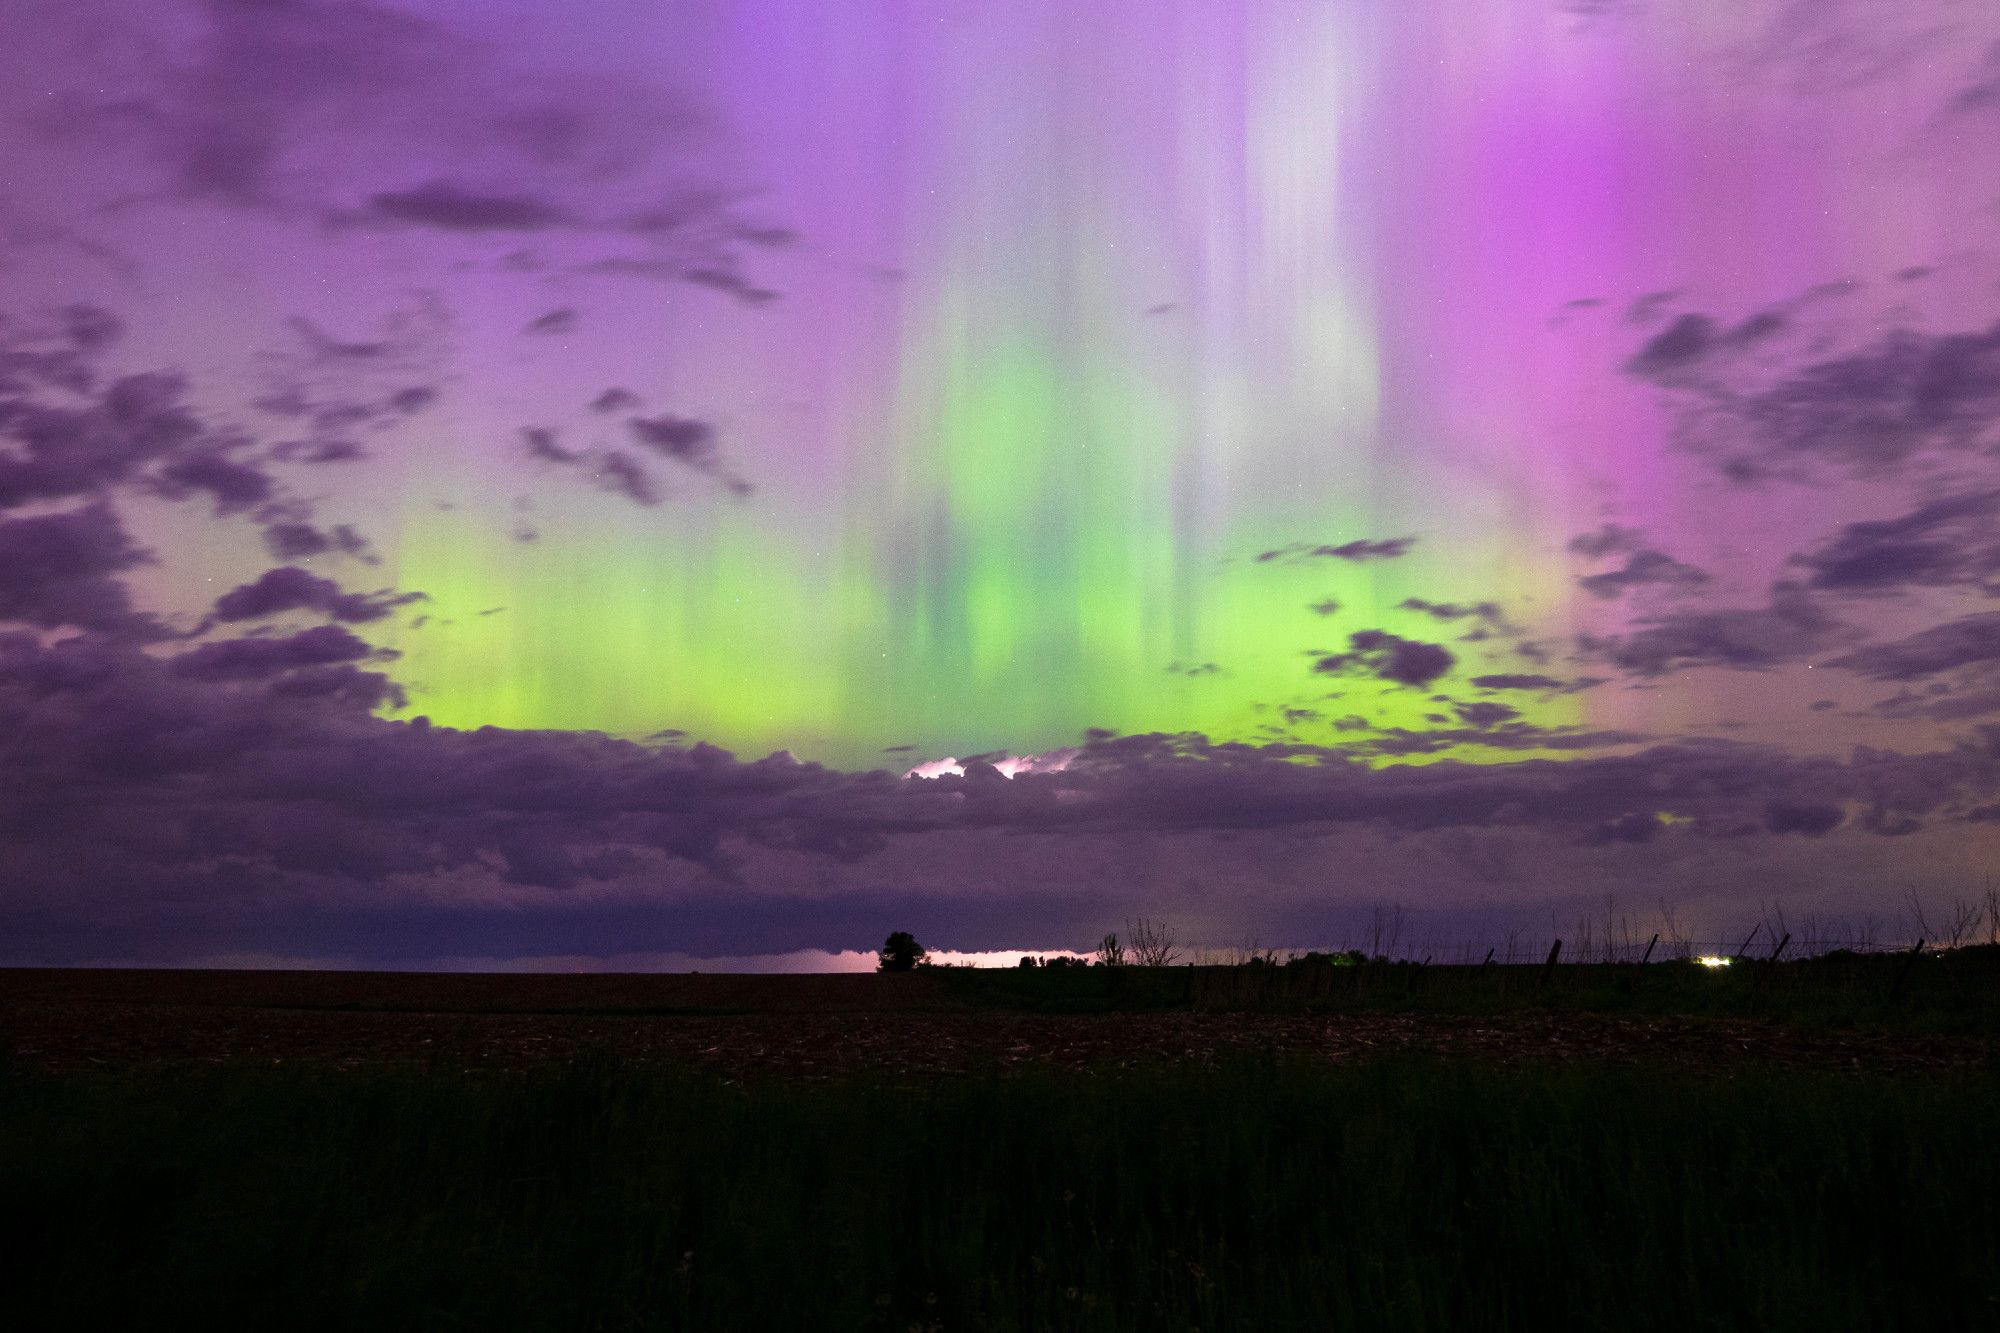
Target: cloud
[(1643, 568), (554, 322), (256, 659), (1909, 396), (1982, 94), (1609, 539), (233, 486), (289, 588), (614, 400), (242, 794), (1485, 714), (361, 118), (1813, 820), (1791, 628), (1358, 551), (450, 207), (1516, 681), (622, 474), (1486, 611), (59, 570), (682, 439), (1389, 657), (292, 540), (542, 446), (688, 442), (1946, 543), (1967, 641)]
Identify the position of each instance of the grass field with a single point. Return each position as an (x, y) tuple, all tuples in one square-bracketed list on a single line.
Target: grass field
[(1398, 1194), (1809, 1145)]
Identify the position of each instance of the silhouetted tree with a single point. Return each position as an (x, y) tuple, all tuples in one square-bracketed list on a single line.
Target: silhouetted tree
[(1110, 953), (900, 953)]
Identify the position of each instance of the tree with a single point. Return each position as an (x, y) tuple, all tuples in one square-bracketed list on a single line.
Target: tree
[(900, 953), (1152, 943), (1110, 953)]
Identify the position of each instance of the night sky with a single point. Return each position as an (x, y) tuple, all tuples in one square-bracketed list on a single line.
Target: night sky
[(491, 483)]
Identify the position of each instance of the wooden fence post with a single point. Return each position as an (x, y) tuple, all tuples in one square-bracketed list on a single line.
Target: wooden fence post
[(1771, 963), (1549, 968)]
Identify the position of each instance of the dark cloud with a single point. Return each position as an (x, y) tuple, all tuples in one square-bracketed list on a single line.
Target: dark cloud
[(68, 431), (288, 540), (542, 446), (1517, 681), (1791, 628), (554, 322), (319, 451), (1967, 641), (1910, 396), (1390, 657), (1948, 542), (688, 442), (1812, 820), (1878, 407), (1648, 307), (288, 588), (1193, 669), (1609, 539), (1674, 348), (242, 795), (622, 474), (1486, 611), (60, 570), (451, 207), (232, 485), (614, 400), (1643, 568), (1485, 714), (1358, 551), (1982, 93), (729, 282), (258, 659), (682, 439)]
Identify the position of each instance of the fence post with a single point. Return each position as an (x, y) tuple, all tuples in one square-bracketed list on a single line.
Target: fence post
[(1771, 963), (1549, 968), (1647, 957), (1745, 946)]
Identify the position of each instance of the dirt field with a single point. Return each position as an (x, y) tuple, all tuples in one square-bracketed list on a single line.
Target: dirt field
[(809, 1027)]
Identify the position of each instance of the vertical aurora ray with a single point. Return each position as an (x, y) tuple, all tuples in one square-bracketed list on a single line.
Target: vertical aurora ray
[(1093, 302)]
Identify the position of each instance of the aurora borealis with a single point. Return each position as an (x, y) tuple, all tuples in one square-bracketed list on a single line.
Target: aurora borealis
[(1190, 394)]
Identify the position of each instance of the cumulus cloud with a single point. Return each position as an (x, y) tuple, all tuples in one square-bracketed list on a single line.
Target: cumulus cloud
[(1968, 641), (1947, 543), (622, 474), (1643, 568), (60, 570), (242, 794), (1359, 551), (1390, 657), (1607, 539), (289, 588), (1791, 628)]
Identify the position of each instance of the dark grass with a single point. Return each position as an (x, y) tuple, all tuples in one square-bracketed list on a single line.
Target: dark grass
[(1404, 1195), (1943, 994)]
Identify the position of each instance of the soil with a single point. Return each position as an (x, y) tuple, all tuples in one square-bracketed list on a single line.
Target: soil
[(814, 1027)]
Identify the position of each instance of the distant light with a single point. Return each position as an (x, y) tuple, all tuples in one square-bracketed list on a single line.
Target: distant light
[(1713, 960)]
